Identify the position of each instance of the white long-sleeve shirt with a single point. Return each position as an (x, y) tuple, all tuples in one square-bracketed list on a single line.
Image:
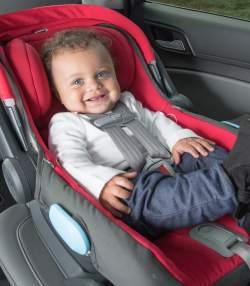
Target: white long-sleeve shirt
[(90, 155)]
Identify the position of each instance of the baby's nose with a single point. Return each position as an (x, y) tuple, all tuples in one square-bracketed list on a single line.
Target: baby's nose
[(92, 85)]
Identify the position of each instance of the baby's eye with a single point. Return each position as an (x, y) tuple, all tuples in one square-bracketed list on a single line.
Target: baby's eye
[(103, 74), (78, 82)]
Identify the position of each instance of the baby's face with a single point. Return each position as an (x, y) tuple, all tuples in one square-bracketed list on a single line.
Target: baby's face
[(86, 80)]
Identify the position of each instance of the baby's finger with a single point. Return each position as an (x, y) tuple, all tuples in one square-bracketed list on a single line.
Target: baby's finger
[(121, 193), (123, 182), (192, 150), (199, 148), (176, 157), (208, 144), (130, 175), (119, 207)]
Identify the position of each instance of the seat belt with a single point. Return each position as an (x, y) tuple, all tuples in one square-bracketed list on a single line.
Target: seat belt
[(222, 240), (142, 151)]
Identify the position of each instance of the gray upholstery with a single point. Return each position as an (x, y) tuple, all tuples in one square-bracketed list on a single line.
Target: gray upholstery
[(24, 259)]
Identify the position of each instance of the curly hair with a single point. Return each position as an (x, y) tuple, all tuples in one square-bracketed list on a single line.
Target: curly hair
[(70, 40)]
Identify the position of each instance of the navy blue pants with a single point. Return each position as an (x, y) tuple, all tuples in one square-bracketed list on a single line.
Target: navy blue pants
[(200, 192)]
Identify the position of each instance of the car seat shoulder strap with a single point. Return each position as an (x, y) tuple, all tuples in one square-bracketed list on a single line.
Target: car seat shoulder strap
[(129, 148), (134, 149), (146, 138)]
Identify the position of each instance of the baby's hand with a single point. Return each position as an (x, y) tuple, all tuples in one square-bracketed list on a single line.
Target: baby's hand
[(193, 146), (117, 189)]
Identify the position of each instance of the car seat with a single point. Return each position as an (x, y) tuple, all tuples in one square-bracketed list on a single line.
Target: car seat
[(32, 249)]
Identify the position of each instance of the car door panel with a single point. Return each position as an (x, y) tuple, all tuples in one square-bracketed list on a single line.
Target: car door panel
[(206, 55)]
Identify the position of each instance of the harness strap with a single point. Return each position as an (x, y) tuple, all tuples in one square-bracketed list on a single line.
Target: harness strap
[(151, 144), (127, 146), (137, 148)]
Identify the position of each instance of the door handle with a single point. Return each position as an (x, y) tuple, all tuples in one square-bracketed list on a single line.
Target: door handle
[(170, 38), (177, 45)]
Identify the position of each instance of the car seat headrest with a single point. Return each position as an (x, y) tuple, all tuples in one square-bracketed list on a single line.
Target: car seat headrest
[(29, 69)]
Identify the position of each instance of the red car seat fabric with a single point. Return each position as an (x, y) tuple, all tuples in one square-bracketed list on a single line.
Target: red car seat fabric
[(175, 249), (30, 71), (195, 259), (59, 16), (5, 91)]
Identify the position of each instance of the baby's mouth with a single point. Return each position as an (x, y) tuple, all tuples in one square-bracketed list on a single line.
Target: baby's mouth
[(96, 98)]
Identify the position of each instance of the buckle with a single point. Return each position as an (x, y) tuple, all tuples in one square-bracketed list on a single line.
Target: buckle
[(162, 165)]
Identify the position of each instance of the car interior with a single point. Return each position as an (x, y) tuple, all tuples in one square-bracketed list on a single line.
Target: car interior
[(200, 68)]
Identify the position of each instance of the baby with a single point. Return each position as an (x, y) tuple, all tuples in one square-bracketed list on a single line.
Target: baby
[(82, 75)]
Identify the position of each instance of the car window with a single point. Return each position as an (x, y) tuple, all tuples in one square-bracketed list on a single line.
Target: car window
[(232, 8)]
